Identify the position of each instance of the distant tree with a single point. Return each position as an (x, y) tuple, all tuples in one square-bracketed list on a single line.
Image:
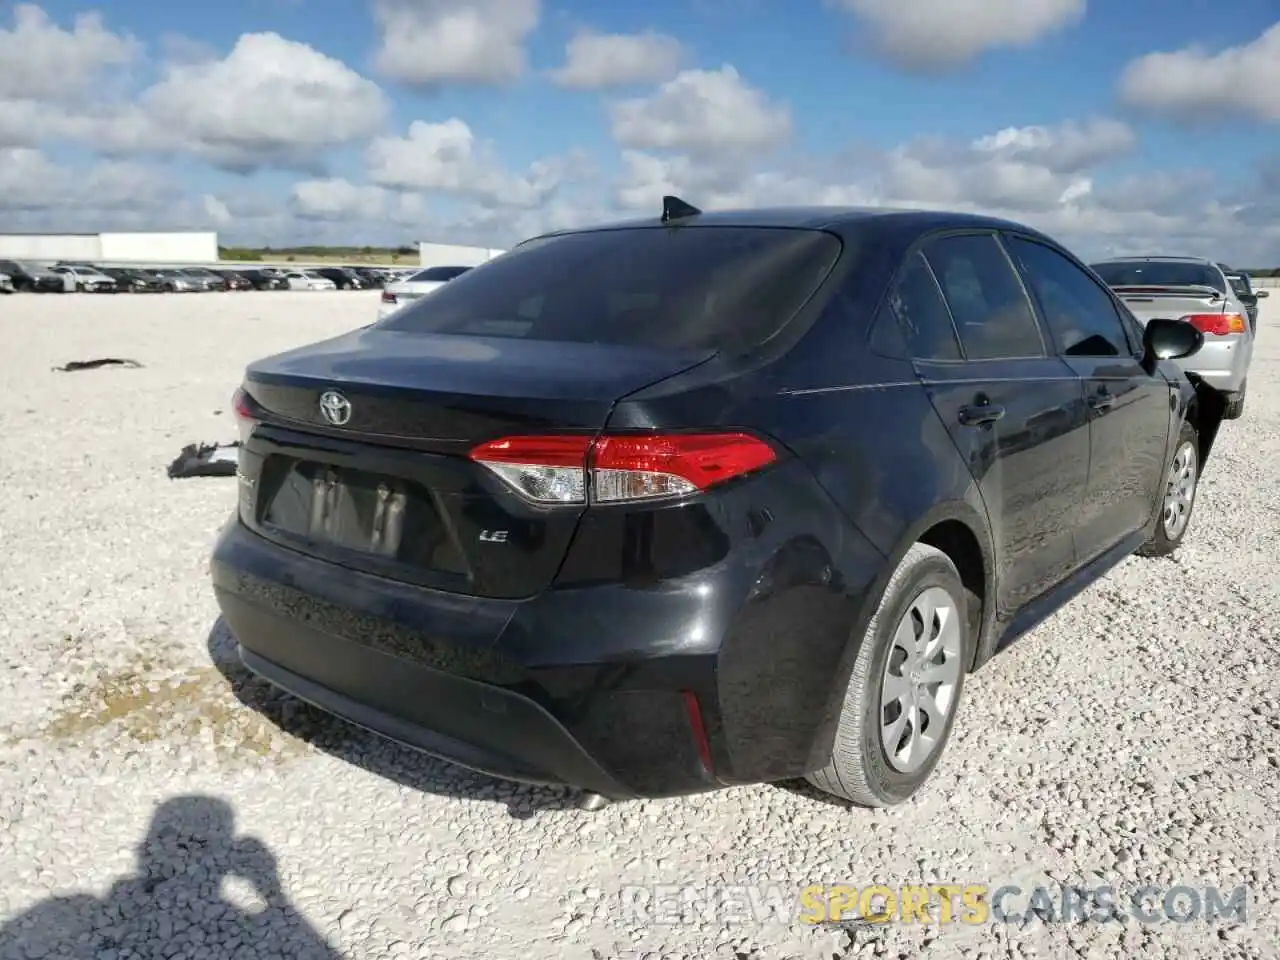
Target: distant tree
[(238, 253)]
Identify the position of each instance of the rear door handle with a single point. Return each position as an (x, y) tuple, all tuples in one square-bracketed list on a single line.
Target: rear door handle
[(1101, 400), (979, 413)]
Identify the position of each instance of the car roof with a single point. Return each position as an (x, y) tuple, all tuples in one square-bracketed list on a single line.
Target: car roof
[(839, 220)]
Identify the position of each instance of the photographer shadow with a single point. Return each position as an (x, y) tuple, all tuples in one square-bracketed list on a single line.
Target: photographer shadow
[(382, 757), (175, 903)]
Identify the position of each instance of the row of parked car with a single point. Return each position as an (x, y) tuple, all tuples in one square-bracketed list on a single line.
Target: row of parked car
[(18, 276)]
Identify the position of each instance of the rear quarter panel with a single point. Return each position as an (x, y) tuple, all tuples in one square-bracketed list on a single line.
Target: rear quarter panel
[(875, 453)]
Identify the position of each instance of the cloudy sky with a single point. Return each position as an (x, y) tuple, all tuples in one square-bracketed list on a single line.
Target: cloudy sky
[(1143, 125)]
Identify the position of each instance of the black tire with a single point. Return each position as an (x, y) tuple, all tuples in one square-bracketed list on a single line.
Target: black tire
[(860, 769), (1170, 531), (1234, 409)]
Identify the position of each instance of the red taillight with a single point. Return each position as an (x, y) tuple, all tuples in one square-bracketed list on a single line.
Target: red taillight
[(1217, 324), (246, 415), (388, 297), (561, 468), (638, 467)]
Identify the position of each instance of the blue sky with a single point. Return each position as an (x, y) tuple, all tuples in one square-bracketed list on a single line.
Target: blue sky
[(1120, 126)]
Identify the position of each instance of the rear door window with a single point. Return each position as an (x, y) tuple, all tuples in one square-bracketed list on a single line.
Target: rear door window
[(992, 313), (722, 288), (916, 322)]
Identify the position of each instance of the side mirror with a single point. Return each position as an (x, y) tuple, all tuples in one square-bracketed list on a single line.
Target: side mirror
[(1171, 339), (1262, 294)]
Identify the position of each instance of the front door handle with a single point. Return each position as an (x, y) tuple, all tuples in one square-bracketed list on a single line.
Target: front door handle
[(1102, 400), (979, 413)]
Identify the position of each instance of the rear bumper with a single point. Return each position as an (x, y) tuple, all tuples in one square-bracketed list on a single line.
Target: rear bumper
[(1222, 363), (475, 725), (446, 675)]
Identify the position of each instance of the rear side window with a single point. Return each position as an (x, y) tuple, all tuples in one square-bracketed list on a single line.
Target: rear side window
[(916, 322), (991, 310), (1079, 312), (722, 288)]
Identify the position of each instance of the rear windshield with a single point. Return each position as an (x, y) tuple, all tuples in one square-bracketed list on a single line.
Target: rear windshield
[(723, 288), (1158, 273), (438, 274)]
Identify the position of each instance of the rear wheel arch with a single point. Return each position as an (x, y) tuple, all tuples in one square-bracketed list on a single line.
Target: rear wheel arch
[(962, 546), (960, 532), (1205, 412)]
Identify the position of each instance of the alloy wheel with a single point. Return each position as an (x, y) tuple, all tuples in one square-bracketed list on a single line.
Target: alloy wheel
[(1180, 493), (921, 677)]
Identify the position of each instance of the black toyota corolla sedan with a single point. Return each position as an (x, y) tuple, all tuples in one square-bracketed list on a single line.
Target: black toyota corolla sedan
[(704, 499)]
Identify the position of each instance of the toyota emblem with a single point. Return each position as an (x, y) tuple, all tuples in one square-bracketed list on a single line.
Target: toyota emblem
[(335, 408)]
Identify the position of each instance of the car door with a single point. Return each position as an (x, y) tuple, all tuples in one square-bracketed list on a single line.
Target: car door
[(1015, 412), (1128, 407)]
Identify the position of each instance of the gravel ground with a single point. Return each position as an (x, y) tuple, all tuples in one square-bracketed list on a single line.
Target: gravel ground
[(154, 801)]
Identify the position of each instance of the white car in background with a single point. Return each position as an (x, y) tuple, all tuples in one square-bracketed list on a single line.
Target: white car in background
[(306, 280), (396, 295), (85, 279)]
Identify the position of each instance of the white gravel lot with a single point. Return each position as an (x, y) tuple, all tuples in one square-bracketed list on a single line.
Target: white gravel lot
[(1134, 739)]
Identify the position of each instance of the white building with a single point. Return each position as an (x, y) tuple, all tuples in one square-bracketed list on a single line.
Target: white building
[(454, 255), (109, 248)]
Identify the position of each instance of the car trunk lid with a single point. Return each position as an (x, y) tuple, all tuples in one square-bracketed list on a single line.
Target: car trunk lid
[(1170, 302), (384, 485)]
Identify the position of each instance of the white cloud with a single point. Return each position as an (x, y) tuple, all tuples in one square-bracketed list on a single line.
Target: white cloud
[(41, 61), (270, 101), (944, 34), (30, 180), (447, 157), (1034, 168), (51, 75), (335, 198), (595, 61), (1018, 168), (1066, 148), (1193, 84), (1050, 177), (435, 42), (648, 177), (703, 112)]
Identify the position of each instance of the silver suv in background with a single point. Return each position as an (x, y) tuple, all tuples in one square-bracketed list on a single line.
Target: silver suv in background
[(1197, 291)]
